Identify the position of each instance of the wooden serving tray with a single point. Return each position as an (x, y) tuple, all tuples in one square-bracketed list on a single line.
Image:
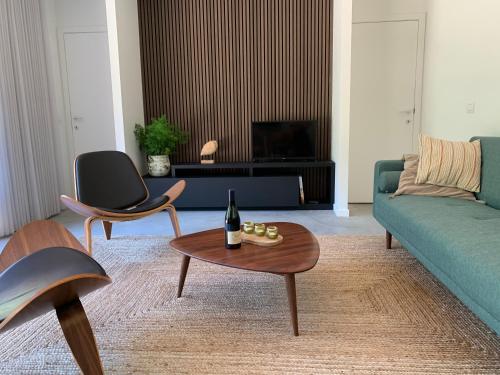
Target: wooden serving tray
[(260, 240)]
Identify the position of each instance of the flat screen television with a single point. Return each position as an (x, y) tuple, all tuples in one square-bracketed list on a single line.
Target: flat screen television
[(284, 140)]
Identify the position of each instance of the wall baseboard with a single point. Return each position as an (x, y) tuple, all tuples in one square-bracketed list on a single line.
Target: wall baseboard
[(341, 212)]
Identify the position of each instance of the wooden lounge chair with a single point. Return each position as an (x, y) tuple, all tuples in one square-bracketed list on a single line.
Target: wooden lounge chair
[(43, 267), (109, 188)]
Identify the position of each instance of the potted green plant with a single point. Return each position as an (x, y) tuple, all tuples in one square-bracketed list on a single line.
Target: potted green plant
[(158, 140)]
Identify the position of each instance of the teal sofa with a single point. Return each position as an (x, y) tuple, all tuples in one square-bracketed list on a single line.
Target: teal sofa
[(457, 240)]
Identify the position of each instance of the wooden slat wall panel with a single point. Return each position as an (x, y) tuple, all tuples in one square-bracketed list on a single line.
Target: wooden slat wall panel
[(214, 66)]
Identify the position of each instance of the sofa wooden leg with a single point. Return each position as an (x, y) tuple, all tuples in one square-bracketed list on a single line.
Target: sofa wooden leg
[(107, 226), (388, 240), (79, 336)]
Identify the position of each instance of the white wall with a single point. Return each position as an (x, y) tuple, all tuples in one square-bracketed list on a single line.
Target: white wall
[(346, 12), (124, 49), (78, 13), (61, 133), (369, 9), (462, 62), (121, 20), (57, 16), (341, 101), (462, 66)]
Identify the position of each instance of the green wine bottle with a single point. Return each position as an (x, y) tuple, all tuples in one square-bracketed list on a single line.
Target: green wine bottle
[(232, 227)]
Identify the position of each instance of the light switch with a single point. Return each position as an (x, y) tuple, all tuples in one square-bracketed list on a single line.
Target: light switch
[(471, 108)]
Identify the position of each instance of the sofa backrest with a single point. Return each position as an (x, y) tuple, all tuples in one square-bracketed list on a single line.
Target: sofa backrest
[(490, 171)]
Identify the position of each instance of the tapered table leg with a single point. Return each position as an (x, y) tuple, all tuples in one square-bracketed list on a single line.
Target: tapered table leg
[(182, 277), (292, 301), (80, 338)]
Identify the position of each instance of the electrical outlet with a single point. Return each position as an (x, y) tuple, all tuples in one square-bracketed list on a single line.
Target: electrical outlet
[(471, 108)]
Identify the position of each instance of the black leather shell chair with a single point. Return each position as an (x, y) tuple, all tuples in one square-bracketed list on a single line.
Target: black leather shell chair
[(43, 268), (109, 188)]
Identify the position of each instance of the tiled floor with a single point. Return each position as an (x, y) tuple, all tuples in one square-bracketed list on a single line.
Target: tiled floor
[(319, 222)]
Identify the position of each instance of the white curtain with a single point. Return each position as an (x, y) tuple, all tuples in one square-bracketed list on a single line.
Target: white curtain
[(28, 173)]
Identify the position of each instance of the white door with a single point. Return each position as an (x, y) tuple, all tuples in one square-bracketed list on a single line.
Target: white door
[(89, 91), (383, 93)]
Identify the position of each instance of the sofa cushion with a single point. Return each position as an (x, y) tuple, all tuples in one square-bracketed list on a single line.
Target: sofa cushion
[(459, 237), (490, 171), (447, 163), (407, 184)]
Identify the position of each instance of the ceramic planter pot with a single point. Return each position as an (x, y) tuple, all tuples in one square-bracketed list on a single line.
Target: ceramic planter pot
[(158, 165)]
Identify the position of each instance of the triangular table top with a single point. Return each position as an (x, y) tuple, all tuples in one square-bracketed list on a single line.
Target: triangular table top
[(298, 252)]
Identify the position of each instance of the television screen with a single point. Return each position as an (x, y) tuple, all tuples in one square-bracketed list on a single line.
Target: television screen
[(284, 140)]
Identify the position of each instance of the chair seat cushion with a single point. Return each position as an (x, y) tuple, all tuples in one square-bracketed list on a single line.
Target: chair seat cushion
[(35, 272), (150, 204)]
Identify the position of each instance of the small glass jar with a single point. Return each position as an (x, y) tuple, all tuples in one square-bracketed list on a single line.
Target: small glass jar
[(260, 230), (272, 232), (248, 227)]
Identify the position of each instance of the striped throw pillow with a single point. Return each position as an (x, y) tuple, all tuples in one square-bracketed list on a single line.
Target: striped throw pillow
[(408, 186), (452, 164)]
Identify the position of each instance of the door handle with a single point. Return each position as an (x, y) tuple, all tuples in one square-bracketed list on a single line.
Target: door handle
[(408, 111)]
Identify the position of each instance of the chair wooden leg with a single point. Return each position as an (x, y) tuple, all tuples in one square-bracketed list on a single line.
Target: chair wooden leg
[(107, 226), (80, 338), (175, 222), (88, 233), (388, 240)]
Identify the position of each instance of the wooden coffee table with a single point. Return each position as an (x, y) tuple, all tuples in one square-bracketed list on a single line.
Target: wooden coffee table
[(299, 252)]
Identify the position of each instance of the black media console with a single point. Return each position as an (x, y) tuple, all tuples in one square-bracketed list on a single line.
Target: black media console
[(266, 185)]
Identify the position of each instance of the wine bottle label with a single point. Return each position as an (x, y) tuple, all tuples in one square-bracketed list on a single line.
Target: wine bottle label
[(233, 238)]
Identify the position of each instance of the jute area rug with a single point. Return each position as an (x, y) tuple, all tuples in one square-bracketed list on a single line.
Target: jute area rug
[(362, 310)]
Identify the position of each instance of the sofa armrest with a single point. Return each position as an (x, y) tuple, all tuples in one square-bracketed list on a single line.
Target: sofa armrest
[(385, 166), (388, 182)]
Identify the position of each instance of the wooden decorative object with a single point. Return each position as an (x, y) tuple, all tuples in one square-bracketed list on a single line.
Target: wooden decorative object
[(208, 150), (299, 252), (260, 240)]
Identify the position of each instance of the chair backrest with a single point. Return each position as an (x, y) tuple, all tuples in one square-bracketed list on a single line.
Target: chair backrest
[(108, 179)]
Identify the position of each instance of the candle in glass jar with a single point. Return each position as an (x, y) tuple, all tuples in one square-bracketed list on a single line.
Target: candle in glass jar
[(260, 229), (248, 227), (272, 232)]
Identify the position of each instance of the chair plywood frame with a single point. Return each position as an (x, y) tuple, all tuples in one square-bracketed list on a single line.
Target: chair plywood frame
[(93, 214), (62, 295)]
